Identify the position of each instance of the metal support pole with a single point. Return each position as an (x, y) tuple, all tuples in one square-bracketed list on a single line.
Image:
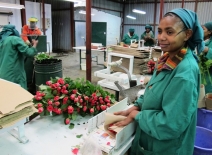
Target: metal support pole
[(196, 5), (72, 24), (43, 20), (122, 24), (23, 13), (88, 40), (155, 12), (161, 8), (182, 3)]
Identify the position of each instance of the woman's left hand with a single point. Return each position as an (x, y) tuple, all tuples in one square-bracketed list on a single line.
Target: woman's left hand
[(128, 120)]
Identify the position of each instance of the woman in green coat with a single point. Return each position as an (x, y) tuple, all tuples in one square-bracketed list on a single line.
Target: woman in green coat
[(207, 28), (166, 113), (148, 36), (13, 51), (130, 36)]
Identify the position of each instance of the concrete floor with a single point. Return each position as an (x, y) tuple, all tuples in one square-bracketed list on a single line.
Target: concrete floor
[(71, 66)]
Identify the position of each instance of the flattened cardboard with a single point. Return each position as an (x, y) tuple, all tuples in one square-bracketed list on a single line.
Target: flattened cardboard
[(18, 108), (110, 119), (9, 120), (12, 95)]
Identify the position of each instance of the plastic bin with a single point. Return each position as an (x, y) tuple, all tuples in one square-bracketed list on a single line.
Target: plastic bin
[(204, 118), (203, 141)]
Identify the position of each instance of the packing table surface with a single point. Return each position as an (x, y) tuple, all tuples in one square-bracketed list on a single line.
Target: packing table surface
[(47, 135)]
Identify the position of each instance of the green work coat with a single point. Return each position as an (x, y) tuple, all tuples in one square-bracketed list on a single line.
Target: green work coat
[(149, 42), (208, 86), (127, 39), (167, 120), (13, 51)]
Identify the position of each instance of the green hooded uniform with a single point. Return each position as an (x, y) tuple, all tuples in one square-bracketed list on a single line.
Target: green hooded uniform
[(127, 38), (13, 51), (208, 43)]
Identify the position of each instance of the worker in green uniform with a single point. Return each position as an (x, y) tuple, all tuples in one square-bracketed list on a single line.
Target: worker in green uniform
[(207, 28), (130, 36), (148, 36), (166, 113), (13, 51)]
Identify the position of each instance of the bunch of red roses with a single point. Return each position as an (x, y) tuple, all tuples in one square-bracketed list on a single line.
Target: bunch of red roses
[(71, 97)]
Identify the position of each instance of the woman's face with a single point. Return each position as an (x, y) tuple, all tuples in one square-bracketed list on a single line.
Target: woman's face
[(171, 34), (207, 33)]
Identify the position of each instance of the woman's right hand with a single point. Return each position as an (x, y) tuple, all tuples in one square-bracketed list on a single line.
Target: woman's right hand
[(123, 113)]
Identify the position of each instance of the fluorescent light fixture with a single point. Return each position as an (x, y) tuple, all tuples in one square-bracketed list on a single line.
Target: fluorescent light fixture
[(131, 17), (79, 4), (83, 12), (11, 6), (138, 11)]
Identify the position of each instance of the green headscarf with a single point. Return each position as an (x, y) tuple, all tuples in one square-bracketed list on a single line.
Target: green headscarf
[(208, 25), (8, 30), (190, 20), (148, 27), (131, 30)]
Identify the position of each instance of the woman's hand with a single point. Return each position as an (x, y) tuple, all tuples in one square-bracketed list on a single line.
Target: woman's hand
[(128, 120), (123, 113), (34, 43), (128, 111)]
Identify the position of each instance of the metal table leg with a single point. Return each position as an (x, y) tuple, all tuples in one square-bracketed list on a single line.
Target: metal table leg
[(117, 95), (80, 59)]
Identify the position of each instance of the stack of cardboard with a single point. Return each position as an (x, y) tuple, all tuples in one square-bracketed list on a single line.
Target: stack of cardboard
[(141, 57), (15, 104)]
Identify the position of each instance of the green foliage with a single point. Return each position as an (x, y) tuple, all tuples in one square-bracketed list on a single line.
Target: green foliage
[(71, 126), (204, 65), (42, 56), (79, 136)]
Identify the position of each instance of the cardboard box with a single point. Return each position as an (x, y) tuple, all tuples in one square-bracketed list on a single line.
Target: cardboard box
[(123, 139), (208, 101)]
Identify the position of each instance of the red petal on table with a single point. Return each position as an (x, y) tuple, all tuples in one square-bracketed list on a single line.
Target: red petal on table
[(108, 143), (75, 150)]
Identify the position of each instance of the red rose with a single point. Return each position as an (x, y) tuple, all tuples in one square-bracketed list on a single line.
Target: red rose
[(49, 108), (40, 110), (56, 98), (72, 97), (70, 109), (91, 110), (48, 83), (74, 91), (67, 121), (57, 103), (39, 105), (84, 109)]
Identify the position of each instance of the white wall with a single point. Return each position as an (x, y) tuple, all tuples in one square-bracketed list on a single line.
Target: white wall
[(14, 19), (34, 9), (113, 25)]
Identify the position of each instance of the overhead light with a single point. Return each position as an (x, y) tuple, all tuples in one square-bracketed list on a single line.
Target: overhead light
[(138, 11), (11, 6), (131, 17), (79, 4), (74, 0), (83, 12)]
